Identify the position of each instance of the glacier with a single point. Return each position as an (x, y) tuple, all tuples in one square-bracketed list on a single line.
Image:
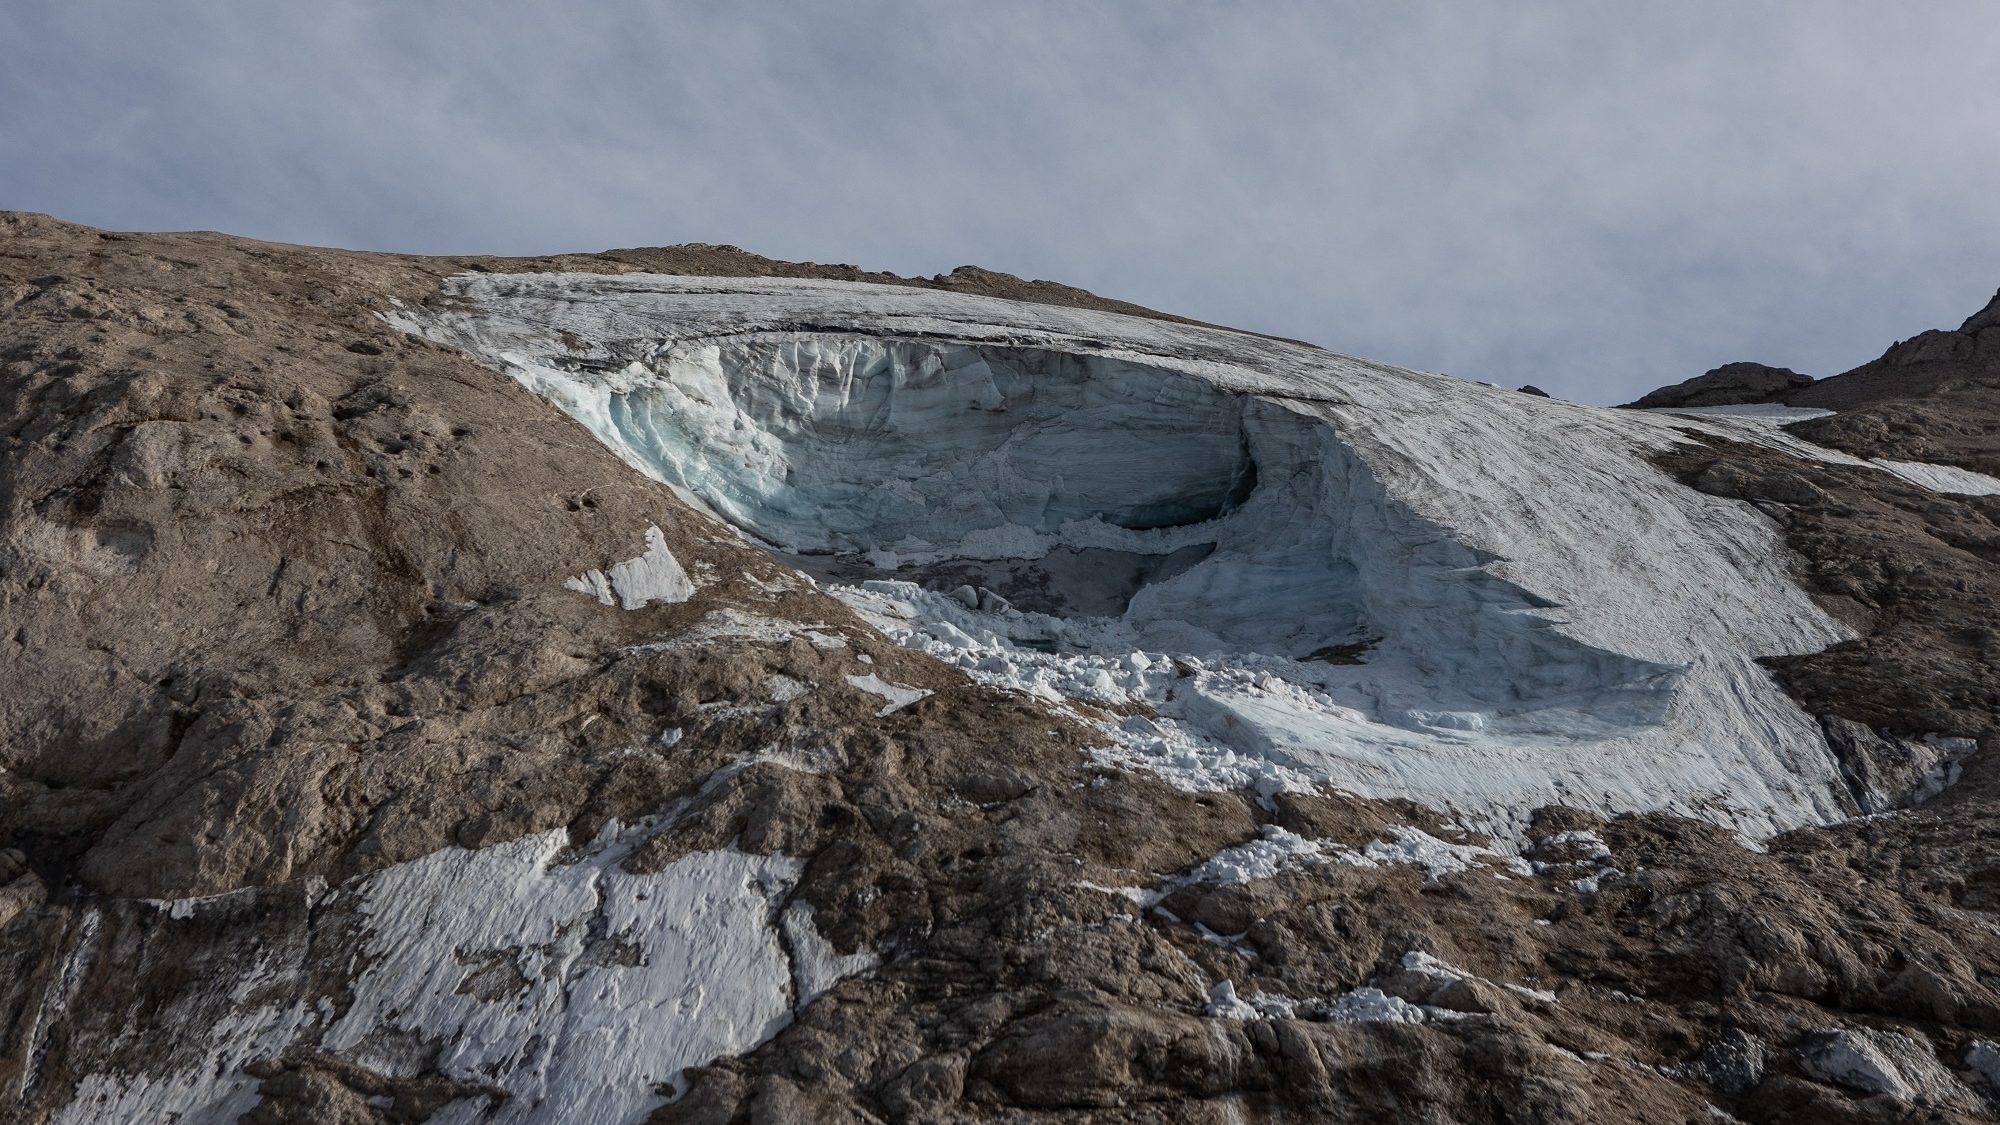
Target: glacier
[(1250, 561)]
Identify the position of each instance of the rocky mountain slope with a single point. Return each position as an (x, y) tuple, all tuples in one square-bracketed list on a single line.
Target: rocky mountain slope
[(671, 685), (1934, 398)]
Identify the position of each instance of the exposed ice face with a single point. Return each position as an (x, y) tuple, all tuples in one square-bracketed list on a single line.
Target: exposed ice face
[(541, 969), (1215, 527), (925, 453), (858, 443)]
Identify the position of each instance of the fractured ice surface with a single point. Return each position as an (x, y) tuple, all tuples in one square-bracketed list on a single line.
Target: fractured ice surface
[(1287, 567), (526, 966)]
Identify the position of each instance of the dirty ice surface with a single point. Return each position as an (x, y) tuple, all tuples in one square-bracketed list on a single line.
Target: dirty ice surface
[(1760, 423), (1285, 567), (1769, 413), (540, 968), (1948, 479)]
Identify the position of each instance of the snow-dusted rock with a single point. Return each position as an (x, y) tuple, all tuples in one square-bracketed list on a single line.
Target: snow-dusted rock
[(1879, 1062)]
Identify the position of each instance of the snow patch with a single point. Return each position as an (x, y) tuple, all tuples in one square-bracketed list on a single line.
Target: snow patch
[(1598, 849), (537, 968), (1591, 884), (1275, 851), (1437, 857), (1223, 1003), (1762, 424), (1948, 479), (898, 696), (655, 576)]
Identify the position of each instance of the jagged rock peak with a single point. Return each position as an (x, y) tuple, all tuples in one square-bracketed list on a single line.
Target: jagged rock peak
[(1988, 317)]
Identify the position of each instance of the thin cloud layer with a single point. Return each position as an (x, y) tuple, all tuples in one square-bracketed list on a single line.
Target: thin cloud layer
[(1594, 198)]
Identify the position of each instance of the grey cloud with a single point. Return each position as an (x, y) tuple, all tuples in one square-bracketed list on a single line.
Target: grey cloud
[(1595, 198)]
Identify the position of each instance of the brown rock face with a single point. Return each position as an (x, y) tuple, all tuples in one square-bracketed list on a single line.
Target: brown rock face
[(283, 603), (1732, 384), (1934, 397)]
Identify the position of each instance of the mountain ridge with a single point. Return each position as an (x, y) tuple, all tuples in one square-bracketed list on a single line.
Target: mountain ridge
[(327, 755)]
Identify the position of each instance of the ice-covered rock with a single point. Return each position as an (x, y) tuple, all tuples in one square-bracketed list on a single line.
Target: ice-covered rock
[(897, 695), (1224, 1003), (1879, 1062), (1948, 479), (1371, 1005), (1984, 1060)]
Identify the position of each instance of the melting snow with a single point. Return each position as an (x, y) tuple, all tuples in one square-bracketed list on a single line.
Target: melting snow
[(898, 696), (1948, 479)]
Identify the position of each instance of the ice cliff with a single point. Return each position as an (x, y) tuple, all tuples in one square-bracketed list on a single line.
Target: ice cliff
[(1253, 562)]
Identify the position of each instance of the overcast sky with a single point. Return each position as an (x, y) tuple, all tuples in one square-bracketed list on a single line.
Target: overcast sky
[(1594, 197)]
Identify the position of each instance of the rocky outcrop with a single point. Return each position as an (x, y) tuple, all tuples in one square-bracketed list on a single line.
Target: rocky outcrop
[(1732, 384), (1932, 399)]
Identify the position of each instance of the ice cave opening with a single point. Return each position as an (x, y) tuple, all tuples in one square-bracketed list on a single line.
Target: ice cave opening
[(1076, 503), (1073, 486)]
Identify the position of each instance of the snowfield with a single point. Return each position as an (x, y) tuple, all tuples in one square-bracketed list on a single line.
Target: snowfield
[(1299, 567)]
